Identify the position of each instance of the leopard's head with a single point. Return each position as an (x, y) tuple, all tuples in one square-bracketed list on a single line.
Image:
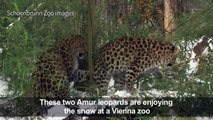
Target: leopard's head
[(75, 45), (168, 54)]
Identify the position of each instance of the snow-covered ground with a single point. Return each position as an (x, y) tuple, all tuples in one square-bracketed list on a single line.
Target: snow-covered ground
[(3, 87)]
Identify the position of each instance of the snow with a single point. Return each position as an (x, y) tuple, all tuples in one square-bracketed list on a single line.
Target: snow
[(203, 118), (122, 94), (57, 110), (193, 65), (3, 88)]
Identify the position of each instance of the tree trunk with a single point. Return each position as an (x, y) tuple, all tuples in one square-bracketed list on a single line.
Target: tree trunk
[(173, 9), (116, 9), (169, 17), (90, 38), (122, 11)]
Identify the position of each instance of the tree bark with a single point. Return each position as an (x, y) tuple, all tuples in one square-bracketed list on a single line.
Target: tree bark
[(90, 38), (169, 17)]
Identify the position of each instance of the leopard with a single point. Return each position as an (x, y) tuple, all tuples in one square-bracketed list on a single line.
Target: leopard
[(126, 58), (56, 67)]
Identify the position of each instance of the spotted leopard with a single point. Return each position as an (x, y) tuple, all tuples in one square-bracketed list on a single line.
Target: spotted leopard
[(56, 66), (126, 58)]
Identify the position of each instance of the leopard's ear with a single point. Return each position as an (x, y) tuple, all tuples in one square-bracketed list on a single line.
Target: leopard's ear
[(173, 49)]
